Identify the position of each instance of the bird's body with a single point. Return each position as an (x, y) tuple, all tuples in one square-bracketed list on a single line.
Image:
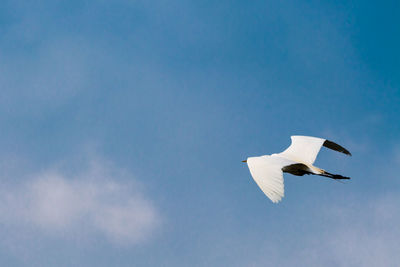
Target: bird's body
[(298, 159)]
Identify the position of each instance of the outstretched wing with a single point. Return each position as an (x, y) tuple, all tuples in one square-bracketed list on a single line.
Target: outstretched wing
[(306, 148), (267, 173)]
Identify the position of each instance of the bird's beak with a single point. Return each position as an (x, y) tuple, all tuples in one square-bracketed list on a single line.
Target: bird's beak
[(244, 160)]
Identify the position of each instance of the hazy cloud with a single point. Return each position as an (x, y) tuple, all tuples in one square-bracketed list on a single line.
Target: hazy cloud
[(100, 200), (363, 234), (50, 75)]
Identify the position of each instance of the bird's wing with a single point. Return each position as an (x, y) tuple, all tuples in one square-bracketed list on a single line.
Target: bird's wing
[(267, 173), (305, 148), (336, 147)]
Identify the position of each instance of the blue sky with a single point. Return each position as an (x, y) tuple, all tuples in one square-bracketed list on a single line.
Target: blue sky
[(124, 125)]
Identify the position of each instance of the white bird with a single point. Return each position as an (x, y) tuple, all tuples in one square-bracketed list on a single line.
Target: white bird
[(267, 171)]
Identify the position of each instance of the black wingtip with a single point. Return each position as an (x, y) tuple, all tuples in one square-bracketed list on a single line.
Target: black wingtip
[(336, 147)]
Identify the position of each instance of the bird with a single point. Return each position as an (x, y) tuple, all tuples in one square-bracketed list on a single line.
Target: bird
[(298, 159)]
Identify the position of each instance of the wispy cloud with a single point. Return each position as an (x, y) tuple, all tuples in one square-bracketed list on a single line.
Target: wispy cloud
[(52, 74), (99, 201), (362, 234)]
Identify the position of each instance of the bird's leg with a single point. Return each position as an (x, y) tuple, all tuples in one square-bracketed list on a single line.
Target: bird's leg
[(333, 176)]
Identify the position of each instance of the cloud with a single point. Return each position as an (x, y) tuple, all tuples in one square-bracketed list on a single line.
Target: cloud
[(100, 201), (362, 234), (366, 235), (51, 75)]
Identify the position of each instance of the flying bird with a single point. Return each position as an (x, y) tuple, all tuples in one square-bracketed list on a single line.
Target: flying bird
[(267, 171)]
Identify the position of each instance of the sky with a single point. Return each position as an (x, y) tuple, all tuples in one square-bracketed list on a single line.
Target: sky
[(124, 124)]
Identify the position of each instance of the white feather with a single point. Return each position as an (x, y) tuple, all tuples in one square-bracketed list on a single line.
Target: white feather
[(267, 173), (303, 149)]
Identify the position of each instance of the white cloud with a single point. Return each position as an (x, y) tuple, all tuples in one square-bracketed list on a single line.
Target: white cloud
[(362, 234), (99, 201)]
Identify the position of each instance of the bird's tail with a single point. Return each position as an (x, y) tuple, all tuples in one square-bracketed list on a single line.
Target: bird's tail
[(334, 176)]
